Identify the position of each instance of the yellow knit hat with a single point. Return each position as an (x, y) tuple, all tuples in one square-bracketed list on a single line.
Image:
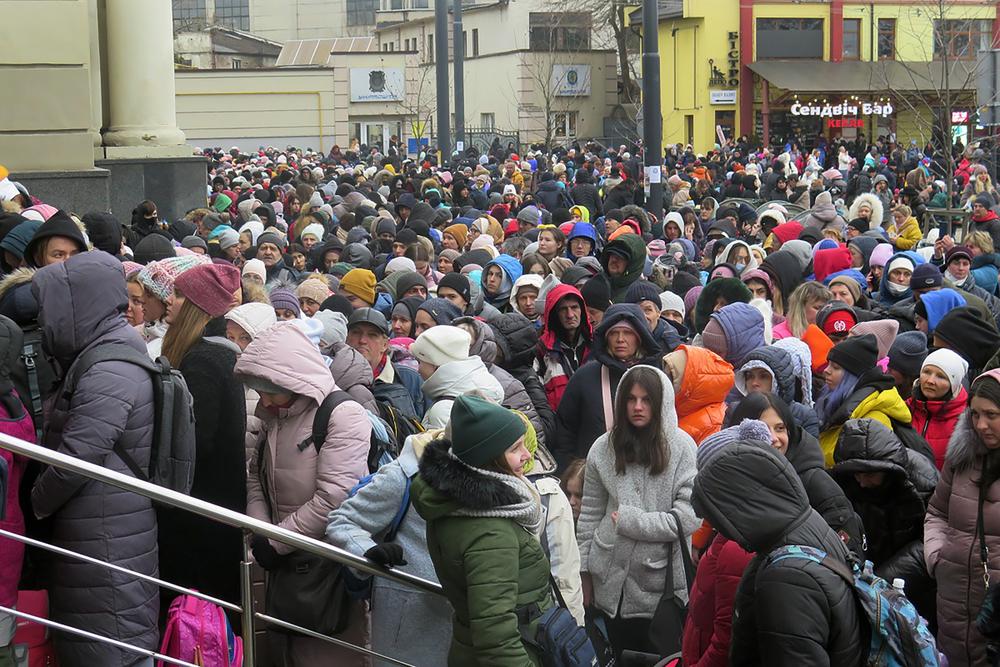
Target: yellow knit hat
[(360, 283)]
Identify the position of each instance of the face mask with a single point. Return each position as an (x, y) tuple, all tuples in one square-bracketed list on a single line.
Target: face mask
[(740, 267), (955, 281), (895, 288)]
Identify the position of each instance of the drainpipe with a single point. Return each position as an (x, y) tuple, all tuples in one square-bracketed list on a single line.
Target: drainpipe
[(837, 31)]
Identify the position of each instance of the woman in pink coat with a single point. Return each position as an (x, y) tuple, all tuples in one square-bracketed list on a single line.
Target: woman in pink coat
[(297, 486)]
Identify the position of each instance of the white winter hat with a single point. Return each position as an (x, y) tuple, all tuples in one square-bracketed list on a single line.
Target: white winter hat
[(315, 229), (255, 267), (527, 280), (441, 344), (954, 366), (316, 200), (254, 318), (670, 301), (400, 264)]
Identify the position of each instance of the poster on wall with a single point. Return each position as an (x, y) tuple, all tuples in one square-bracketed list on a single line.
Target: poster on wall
[(377, 84), (571, 80)]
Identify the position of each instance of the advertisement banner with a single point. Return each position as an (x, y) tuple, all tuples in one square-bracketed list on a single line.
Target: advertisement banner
[(571, 80)]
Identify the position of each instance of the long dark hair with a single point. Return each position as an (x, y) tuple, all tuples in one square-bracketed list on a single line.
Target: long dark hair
[(989, 388), (645, 446), (757, 403)]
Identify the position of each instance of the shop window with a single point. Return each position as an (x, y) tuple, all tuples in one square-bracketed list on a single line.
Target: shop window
[(563, 125), (361, 12), (789, 38), (961, 38), (887, 39), (852, 39), (559, 31)]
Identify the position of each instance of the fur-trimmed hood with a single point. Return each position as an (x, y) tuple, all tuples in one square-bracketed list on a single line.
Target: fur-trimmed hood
[(965, 445), (873, 202), (16, 300)]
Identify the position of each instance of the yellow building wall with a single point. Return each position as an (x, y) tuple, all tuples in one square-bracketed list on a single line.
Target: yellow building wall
[(914, 25)]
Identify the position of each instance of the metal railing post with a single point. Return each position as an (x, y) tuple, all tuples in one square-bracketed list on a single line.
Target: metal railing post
[(246, 595)]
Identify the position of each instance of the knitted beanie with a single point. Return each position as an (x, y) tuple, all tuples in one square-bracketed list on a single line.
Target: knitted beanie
[(460, 232), (253, 318), (255, 267), (752, 430), (643, 290), (284, 298), (907, 353), (691, 297), (856, 354), (714, 338), (360, 283), (964, 331), (210, 287), (400, 264), (272, 238), (459, 283), (884, 331), (954, 366), (152, 248), (670, 301), (159, 277), (191, 242), (881, 254), (227, 238), (441, 344), (441, 311), (316, 289), (482, 431), (314, 230), (131, 267), (596, 293), (925, 276)]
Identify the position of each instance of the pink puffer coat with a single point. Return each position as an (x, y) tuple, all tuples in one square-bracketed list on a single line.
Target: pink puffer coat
[(11, 552)]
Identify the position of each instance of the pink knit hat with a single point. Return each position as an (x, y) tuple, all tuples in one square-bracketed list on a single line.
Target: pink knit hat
[(210, 287), (158, 277)]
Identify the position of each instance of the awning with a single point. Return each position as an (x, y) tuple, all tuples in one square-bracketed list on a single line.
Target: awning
[(820, 76)]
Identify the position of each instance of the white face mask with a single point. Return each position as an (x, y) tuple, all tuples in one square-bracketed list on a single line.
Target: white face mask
[(955, 281), (895, 288)]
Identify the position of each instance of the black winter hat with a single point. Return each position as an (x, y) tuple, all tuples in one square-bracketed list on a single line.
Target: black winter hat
[(966, 333), (643, 290), (596, 293), (856, 354), (459, 283), (60, 224), (104, 231), (908, 352), (683, 282), (926, 276), (338, 304), (859, 224)]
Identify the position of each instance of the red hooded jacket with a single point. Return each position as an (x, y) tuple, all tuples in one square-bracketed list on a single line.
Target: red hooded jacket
[(552, 363)]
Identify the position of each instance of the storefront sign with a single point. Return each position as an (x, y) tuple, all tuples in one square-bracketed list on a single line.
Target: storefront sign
[(722, 96), (571, 80), (377, 85), (959, 117), (733, 58), (836, 123), (844, 108)]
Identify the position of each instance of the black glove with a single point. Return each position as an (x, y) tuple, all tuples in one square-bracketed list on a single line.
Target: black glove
[(264, 553), (386, 554)]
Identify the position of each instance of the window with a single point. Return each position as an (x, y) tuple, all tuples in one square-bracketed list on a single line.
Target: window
[(233, 14), (956, 38), (237, 63), (563, 125), (789, 38), (361, 12), (396, 4), (420, 4), (465, 44), (559, 31), (475, 42), (887, 39), (488, 120), (852, 39), (188, 15), (430, 48)]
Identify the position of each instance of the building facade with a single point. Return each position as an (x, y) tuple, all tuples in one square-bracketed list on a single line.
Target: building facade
[(781, 69)]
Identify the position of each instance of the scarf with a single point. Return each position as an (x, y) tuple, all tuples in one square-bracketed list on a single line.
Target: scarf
[(528, 512)]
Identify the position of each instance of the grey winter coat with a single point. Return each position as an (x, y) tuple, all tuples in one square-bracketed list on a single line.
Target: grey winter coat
[(627, 559), (353, 374), (406, 624), (112, 403)]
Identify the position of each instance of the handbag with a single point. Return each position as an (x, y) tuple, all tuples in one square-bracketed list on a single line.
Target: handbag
[(560, 641), (666, 628)]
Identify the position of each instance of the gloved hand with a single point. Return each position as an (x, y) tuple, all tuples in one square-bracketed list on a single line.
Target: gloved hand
[(386, 554), (265, 555)]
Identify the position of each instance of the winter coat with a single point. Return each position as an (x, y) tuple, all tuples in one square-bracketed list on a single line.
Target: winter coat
[(580, 416), (893, 514), (986, 270), (951, 547), (794, 612), (194, 551), (935, 420), (635, 248), (627, 559), (585, 194), (406, 623), (874, 203), (112, 404), (552, 195), (556, 360), (823, 214), (874, 397), (451, 381), (489, 563), (296, 488), (516, 341), (353, 374), (558, 541), (908, 235), (709, 625), (701, 396), (989, 223)]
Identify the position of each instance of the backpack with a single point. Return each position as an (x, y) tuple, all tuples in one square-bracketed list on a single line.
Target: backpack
[(199, 632), (396, 396), (360, 588), (384, 445), (33, 377), (171, 462), (899, 636), (912, 440)]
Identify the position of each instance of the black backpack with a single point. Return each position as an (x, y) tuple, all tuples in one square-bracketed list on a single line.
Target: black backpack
[(171, 462), (34, 377)]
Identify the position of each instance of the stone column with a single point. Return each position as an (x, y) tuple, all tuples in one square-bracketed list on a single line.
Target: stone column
[(96, 96), (140, 68)]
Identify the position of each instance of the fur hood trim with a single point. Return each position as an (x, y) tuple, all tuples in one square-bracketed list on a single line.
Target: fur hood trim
[(965, 445), (15, 278)]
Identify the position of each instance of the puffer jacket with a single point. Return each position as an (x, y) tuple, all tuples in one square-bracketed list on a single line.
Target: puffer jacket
[(580, 417), (515, 396), (743, 327), (874, 397), (986, 271), (353, 374), (893, 513), (112, 404), (781, 365), (709, 625), (823, 214), (451, 381), (488, 566), (754, 497), (701, 396), (516, 341), (935, 420), (627, 559), (556, 360), (288, 486), (951, 547)]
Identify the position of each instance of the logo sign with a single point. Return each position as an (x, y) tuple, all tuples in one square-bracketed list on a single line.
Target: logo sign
[(834, 123), (570, 80), (733, 59), (844, 108), (377, 84), (722, 96)]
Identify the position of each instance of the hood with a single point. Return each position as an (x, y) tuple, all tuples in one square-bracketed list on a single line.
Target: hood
[(770, 504), (283, 355), (873, 202), (824, 210), (743, 326), (884, 296), (830, 261), (727, 253), (516, 338), (550, 325), (938, 304), (421, 212), (776, 360), (785, 271), (634, 248), (707, 380), (349, 368), (965, 447), (85, 300), (627, 312), (668, 413), (462, 377), (510, 266), (866, 445), (357, 255), (582, 230), (866, 244), (483, 345), (17, 301)]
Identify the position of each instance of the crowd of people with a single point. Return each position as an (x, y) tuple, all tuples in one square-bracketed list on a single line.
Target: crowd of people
[(504, 375)]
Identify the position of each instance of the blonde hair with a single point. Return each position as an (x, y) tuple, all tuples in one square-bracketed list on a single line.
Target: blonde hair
[(186, 330), (804, 294), (904, 209), (981, 240)]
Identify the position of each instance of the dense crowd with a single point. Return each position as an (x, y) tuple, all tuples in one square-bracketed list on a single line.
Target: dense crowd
[(504, 375)]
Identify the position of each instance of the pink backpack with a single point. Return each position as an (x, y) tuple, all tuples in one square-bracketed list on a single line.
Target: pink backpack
[(199, 632)]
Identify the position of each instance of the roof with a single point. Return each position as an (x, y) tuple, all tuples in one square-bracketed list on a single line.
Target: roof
[(316, 52), (665, 9), (890, 75)]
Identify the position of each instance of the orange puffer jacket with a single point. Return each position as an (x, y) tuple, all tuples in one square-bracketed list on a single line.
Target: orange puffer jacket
[(701, 399)]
